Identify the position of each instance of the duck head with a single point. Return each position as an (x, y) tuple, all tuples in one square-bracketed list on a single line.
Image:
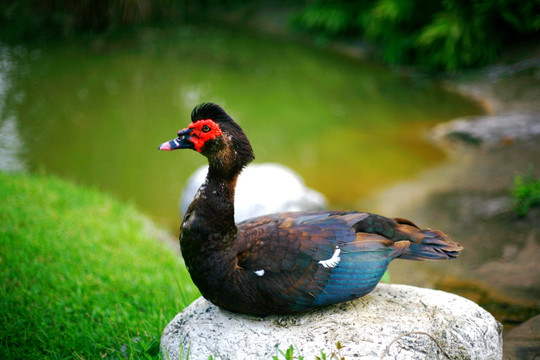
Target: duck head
[(214, 134)]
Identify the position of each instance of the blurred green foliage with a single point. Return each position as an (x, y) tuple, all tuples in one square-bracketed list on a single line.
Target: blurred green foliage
[(24, 20), (526, 192), (438, 34)]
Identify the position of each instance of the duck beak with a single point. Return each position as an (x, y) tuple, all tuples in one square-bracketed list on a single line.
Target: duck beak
[(182, 142)]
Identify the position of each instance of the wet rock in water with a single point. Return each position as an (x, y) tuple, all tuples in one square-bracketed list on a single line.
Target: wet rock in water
[(392, 322), (284, 190), (494, 130), (523, 342)]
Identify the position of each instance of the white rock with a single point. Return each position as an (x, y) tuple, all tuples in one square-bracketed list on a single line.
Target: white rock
[(392, 322), (262, 189)]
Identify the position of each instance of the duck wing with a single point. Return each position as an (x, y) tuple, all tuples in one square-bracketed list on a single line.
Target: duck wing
[(302, 260)]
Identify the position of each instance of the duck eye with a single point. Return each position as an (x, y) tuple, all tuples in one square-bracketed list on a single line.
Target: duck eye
[(205, 128)]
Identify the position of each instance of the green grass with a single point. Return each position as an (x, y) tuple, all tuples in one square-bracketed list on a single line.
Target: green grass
[(290, 354), (81, 276)]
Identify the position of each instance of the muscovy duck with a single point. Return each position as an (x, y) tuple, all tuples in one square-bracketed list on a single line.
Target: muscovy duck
[(288, 262)]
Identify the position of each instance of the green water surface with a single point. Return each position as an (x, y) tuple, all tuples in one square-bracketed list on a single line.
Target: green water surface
[(95, 111)]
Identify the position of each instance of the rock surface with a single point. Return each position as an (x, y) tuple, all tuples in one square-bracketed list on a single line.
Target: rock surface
[(523, 342), (492, 130), (392, 322), (284, 190)]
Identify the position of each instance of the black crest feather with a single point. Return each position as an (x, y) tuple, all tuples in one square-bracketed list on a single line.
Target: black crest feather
[(210, 111)]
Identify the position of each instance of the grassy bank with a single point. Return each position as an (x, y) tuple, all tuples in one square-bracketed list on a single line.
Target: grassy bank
[(81, 277)]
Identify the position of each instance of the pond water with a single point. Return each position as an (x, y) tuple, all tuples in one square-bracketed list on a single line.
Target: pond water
[(95, 110)]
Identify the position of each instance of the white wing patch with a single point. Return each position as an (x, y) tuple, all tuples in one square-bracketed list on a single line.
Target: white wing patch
[(259, 272), (333, 261)]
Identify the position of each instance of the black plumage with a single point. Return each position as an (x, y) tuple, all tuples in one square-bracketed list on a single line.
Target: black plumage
[(288, 262)]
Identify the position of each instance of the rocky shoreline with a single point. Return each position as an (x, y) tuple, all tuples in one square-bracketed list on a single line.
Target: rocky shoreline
[(469, 198), (470, 195)]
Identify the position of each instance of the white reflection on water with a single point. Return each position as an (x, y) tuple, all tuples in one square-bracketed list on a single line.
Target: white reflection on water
[(10, 140)]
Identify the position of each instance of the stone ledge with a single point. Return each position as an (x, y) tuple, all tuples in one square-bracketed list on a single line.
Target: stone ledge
[(394, 321), (487, 131)]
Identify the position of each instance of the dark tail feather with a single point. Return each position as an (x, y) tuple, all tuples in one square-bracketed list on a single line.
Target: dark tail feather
[(424, 244), (432, 245)]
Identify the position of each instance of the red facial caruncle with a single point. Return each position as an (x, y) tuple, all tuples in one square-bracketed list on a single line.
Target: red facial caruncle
[(202, 131)]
